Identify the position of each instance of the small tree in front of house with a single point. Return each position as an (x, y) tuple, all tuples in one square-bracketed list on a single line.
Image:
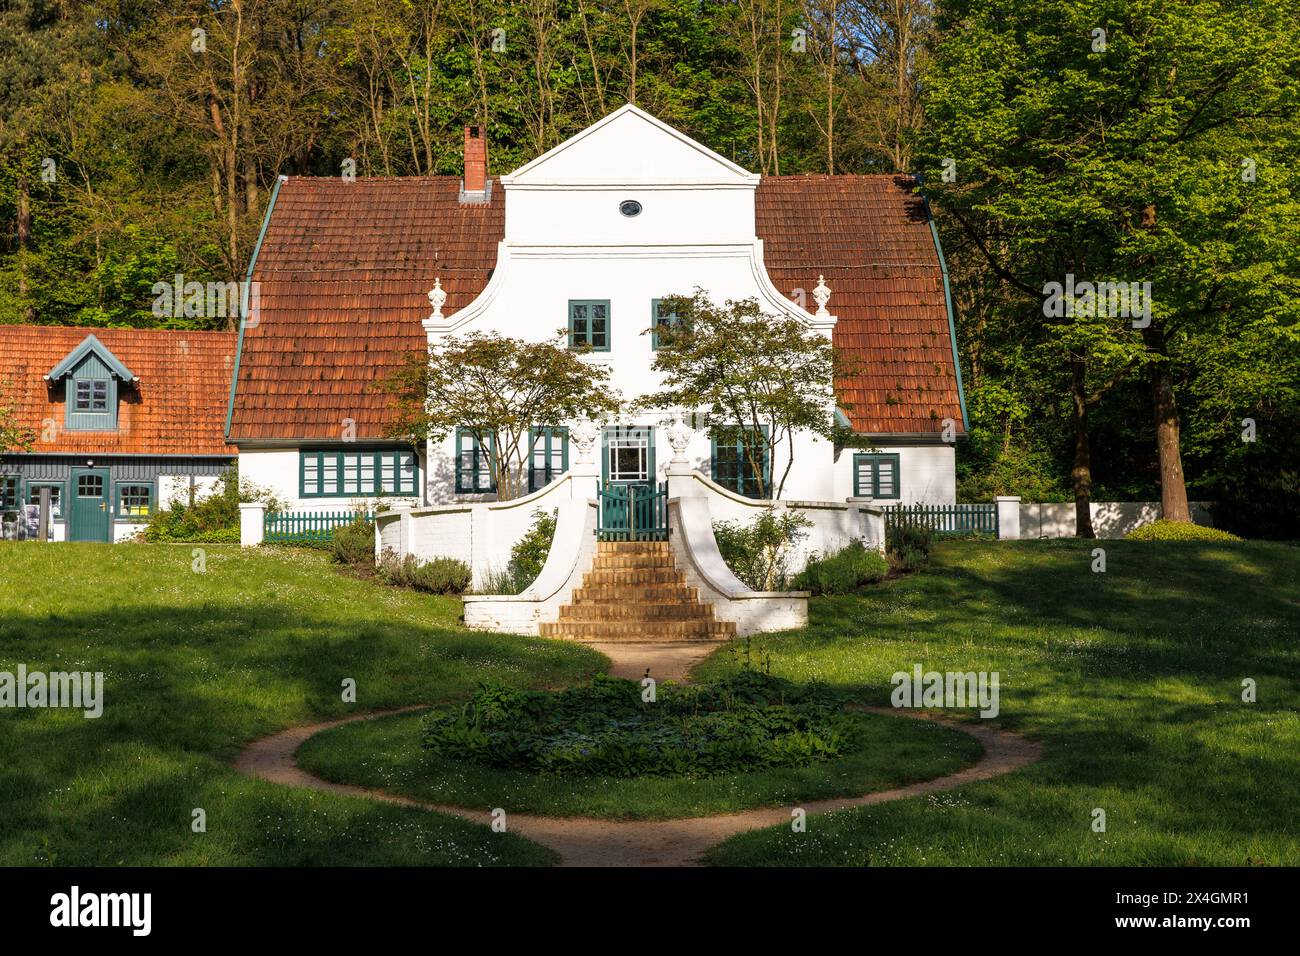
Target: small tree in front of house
[(13, 436), (756, 379), (497, 388)]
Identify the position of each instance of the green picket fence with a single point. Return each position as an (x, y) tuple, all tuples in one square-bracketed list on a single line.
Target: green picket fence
[(308, 527), (944, 519)]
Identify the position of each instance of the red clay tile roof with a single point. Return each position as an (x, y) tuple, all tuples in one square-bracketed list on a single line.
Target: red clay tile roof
[(344, 271), (870, 236), (177, 407)]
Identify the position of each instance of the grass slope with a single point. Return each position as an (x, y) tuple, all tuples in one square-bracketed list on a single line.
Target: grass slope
[(386, 754), (1131, 679), (198, 664)]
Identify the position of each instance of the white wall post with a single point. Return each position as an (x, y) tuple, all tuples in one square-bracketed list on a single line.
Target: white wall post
[(252, 518), (868, 522), (1008, 517)]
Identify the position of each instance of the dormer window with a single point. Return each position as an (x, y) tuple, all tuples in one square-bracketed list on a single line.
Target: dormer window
[(91, 377), (92, 395)]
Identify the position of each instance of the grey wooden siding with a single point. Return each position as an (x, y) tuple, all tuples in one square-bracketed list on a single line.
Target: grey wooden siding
[(121, 468)]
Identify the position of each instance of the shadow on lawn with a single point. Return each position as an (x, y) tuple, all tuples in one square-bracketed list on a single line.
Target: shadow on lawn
[(211, 677), (1220, 610)]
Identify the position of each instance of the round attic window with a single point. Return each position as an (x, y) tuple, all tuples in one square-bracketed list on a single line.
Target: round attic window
[(630, 208)]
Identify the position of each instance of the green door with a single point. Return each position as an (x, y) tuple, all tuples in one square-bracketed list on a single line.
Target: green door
[(90, 518)]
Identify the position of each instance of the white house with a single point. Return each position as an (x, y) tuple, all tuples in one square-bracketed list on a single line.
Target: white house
[(580, 246), (351, 275)]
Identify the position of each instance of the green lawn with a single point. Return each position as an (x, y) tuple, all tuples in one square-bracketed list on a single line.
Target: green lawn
[(1131, 679), (197, 665), (386, 753)]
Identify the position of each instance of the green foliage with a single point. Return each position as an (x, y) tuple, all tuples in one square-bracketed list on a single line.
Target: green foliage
[(211, 518), (744, 722), (354, 544), (1134, 160), (501, 388), (757, 379), (14, 436), (1163, 530), (528, 556), (759, 553), (440, 575), (843, 572), (908, 546)]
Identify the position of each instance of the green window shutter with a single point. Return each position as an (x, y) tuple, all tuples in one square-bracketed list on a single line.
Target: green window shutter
[(876, 475), (731, 468), (589, 324), (548, 455), (659, 318), (368, 473), (473, 465)]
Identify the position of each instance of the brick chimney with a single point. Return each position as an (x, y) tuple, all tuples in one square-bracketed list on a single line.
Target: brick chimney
[(475, 182)]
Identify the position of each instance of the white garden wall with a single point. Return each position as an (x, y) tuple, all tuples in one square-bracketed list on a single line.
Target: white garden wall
[(1110, 519)]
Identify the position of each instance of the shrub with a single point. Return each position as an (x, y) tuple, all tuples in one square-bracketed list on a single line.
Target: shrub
[(743, 722), (842, 572), (759, 553), (1163, 530), (439, 576), (908, 546), (354, 544), (529, 554), (211, 519)]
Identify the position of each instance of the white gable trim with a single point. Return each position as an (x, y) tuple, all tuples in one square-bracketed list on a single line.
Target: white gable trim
[(730, 173)]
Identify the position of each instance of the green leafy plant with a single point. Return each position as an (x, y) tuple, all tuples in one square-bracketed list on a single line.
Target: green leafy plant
[(759, 553), (500, 388), (212, 518), (354, 544), (908, 546), (1163, 530), (528, 556), (842, 572), (741, 722), (441, 575)]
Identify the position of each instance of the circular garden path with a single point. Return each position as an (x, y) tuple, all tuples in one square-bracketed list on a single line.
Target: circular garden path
[(583, 841)]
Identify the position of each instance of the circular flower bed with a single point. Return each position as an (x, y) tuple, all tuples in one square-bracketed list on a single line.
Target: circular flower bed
[(745, 722)]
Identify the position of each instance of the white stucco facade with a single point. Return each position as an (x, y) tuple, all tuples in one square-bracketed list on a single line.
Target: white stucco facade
[(567, 239)]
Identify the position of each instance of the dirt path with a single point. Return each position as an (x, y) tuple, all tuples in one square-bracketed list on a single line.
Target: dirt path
[(584, 841)]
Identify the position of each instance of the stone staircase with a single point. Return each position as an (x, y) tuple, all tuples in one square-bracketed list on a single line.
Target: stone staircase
[(634, 592)]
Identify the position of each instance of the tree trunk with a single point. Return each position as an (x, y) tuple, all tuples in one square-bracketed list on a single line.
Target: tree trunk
[(1081, 474), (24, 239), (1173, 485)]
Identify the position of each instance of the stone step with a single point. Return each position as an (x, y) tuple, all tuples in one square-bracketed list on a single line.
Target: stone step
[(633, 547), (656, 592), (630, 631), (613, 561), (675, 611), (621, 577)]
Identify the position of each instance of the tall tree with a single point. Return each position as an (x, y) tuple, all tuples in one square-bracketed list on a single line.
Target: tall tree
[(1107, 142)]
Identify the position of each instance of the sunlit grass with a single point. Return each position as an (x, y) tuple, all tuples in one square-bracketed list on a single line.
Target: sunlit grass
[(1131, 679), (195, 666)]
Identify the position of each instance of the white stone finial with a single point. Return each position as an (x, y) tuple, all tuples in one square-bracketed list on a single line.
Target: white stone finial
[(583, 435), (437, 298), (822, 295), (679, 436)]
